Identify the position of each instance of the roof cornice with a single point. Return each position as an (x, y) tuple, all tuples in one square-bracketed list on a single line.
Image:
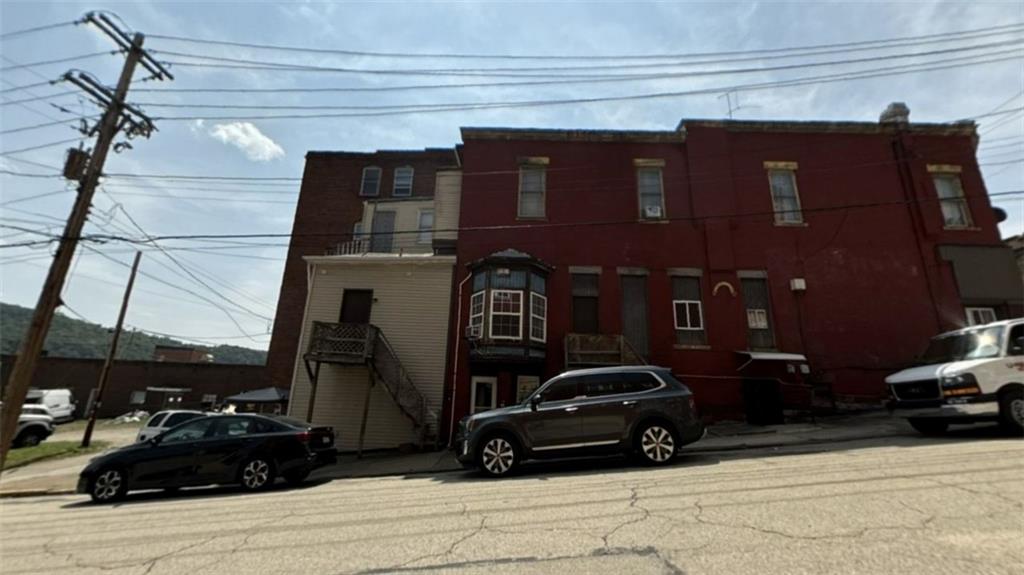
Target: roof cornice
[(556, 135)]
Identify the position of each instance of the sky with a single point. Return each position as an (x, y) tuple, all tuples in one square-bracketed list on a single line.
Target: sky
[(229, 292)]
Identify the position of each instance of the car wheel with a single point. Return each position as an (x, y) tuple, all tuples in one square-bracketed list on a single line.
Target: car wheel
[(929, 426), (656, 443), (1011, 411), (256, 473), (296, 477), (28, 438), (498, 455), (108, 485)]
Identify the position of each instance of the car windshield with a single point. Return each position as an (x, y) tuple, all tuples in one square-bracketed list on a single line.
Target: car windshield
[(976, 344)]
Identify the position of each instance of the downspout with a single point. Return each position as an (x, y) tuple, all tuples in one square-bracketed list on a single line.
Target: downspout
[(456, 358)]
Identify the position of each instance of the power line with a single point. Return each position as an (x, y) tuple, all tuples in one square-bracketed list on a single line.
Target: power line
[(34, 197), (58, 60), (38, 98), (36, 29), (27, 86), (841, 77), (429, 55), (41, 146), (45, 125)]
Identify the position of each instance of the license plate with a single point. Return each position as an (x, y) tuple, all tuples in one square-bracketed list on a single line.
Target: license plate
[(325, 440)]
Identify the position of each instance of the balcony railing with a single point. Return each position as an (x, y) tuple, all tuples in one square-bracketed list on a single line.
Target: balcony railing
[(405, 243), (341, 342), (594, 350)]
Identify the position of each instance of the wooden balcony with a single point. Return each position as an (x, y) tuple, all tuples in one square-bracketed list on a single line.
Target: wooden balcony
[(584, 350), (349, 343)]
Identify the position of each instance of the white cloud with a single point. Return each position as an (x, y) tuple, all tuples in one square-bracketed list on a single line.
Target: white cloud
[(245, 136)]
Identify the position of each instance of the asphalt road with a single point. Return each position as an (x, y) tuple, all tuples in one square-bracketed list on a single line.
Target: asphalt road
[(905, 505)]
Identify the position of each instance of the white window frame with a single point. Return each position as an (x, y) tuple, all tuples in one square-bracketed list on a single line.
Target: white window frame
[(544, 335), (686, 303), (952, 173), (757, 318), (519, 334), (661, 193), (780, 215), (394, 183), (473, 317), (973, 312), (493, 382), (543, 191), (362, 183), (425, 236)]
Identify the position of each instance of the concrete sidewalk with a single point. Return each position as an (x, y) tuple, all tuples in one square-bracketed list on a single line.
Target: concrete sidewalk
[(59, 476)]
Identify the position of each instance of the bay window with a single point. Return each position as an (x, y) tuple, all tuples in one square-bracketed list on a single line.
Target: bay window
[(509, 305), (506, 314)]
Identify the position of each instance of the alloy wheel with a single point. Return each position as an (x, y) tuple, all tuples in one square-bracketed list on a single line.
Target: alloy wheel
[(255, 474), (108, 485), (498, 456), (657, 444)]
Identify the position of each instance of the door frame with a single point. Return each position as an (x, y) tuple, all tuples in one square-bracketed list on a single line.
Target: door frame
[(472, 390), (341, 308)]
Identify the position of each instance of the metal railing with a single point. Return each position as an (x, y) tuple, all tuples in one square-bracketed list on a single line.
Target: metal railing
[(406, 243), (407, 396), (345, 341), (593, 349)]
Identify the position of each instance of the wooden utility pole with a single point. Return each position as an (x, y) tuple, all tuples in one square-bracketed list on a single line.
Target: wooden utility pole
[(111, 355), (49, 298)]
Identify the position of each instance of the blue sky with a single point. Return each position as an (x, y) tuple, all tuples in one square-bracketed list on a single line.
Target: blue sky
[(250, 275)]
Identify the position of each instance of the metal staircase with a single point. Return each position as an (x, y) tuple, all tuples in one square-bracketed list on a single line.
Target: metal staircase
[(388, 370)]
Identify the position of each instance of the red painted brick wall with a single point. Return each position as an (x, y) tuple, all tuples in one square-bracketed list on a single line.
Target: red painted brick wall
[(329, 205)]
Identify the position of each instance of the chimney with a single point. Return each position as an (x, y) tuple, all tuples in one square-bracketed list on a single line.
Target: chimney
[(895, 113)]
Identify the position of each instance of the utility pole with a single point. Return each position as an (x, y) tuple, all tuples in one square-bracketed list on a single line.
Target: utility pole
[(114, 119), (111, 354)]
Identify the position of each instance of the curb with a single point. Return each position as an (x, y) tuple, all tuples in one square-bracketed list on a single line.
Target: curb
[(17, 493), (746, 446)]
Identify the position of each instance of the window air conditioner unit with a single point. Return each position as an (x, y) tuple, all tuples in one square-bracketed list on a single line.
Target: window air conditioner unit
[(652, 211), (474, 331)]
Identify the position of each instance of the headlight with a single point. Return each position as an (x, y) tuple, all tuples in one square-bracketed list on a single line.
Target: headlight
[(960, 384)]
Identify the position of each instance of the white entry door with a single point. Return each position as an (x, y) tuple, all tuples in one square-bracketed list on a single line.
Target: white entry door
[(484, 393)]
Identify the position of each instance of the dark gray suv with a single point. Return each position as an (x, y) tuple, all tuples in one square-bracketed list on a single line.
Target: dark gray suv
[(639, 410)]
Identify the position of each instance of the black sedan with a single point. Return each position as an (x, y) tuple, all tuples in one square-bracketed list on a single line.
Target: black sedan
[(251, 450)]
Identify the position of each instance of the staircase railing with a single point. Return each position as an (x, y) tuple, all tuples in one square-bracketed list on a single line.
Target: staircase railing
[(584, 349), (389, 371)]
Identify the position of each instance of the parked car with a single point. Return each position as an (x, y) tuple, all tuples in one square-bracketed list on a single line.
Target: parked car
[(969, 375), (34, 426), (251, 450), (60, 402), (640, 410), (161, 421)]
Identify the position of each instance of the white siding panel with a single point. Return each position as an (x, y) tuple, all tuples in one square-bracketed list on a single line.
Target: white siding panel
[(447, 194), (411, 306)]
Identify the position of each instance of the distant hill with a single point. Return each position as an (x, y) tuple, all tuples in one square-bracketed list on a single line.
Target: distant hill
[(70, 337)]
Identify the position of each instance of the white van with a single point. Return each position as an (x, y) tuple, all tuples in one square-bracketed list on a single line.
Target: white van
[(966, 376), (60, 402)]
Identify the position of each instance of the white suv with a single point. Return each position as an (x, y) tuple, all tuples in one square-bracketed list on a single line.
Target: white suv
[(164, 420), (966, 376)]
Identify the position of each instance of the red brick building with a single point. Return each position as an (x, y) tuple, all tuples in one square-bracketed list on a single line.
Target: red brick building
[(334, 187), (725, 250)]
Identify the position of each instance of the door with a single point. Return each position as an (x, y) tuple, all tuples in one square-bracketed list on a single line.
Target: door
[(484, 394), (172, 460), (382, 238), (613, 403), (356, 305), (218, 457), (634, 312), (555, 423)]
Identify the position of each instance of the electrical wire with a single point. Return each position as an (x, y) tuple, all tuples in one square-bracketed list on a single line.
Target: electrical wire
[(6, 69), (36, 29), (41, 146), (44, 125)]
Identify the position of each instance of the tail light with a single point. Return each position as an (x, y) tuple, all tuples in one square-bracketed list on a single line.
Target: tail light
[(304, 437)]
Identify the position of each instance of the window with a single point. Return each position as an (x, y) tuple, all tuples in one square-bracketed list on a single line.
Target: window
[(688, 311), (178, 418), (403, 182), (652, 200), (1016, 344), (584, 303), (426, 226), (137, 398), (755, 299), (785, 198), (531, 191), (980, 315), (479, 281), (955, 213), (525, 386), (561, 390), (538, 317), (156, 420), (476, 314), (506, 314), (602, 384), (190, 431), (637, 382), (371, 181), (505, 278), (484, 394), (233, 427), (357, 231)]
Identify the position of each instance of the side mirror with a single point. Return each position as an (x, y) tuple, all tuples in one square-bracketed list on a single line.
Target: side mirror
[(535, 401)]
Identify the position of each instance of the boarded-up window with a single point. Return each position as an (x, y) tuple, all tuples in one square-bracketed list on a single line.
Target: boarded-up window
[(584, 303), (688, 311), (759, 318)]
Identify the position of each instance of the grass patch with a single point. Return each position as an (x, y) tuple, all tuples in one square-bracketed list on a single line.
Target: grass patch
[(78, 425), (49, 450)]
